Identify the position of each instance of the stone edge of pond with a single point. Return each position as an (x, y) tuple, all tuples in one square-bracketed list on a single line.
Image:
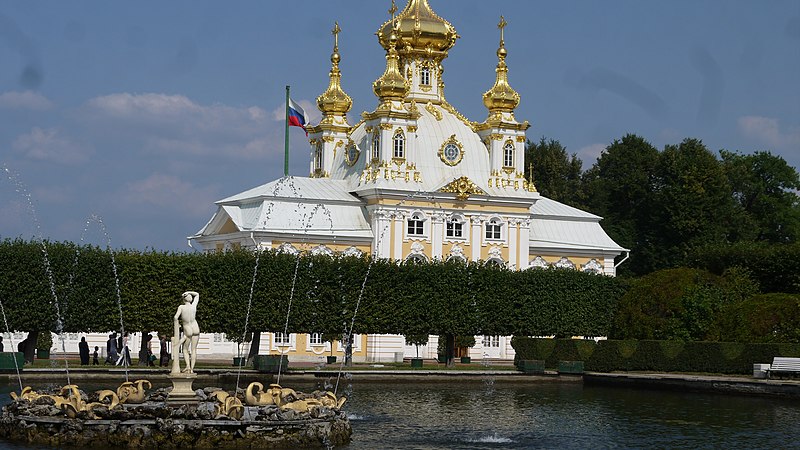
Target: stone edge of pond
[(698, 383)]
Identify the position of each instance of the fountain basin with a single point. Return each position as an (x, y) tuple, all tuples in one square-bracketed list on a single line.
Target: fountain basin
[(176, 433)]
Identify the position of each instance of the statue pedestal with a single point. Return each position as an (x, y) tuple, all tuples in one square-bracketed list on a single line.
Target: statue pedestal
[(182, 392)]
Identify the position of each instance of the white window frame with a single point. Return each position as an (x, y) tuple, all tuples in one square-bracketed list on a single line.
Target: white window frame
[(425, 76), (280, 345), (399, 145), (356, 344), (497, 225), (315, 339), (417, 216), (376, 146), (492, 341), (508, 154), (318, 157), (456, 219)]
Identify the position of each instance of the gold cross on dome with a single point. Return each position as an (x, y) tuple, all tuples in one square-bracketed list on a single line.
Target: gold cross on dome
[(502, 25), (393, 9), (336, 30)]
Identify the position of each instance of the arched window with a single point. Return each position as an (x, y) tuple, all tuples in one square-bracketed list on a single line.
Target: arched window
[(508, 154), (416, 259), (376, 146), (399, 144), (416, 224), (318, 157), (425, 76), (494, 229), (454, 228)]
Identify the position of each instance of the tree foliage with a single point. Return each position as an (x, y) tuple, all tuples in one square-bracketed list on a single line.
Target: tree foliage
[(329, 294), (556, 174)]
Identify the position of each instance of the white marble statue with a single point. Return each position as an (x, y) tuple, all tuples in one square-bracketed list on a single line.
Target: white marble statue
[(187, 313)]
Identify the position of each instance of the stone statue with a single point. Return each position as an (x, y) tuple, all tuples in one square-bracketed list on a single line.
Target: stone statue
[(187, 313)]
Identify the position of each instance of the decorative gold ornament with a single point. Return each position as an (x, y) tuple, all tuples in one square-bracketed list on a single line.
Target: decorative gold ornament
[(392, 85), (463, 187), (418, 30), (501, 97), (435, 112), (351, 153), (451, 152), (334, 101)]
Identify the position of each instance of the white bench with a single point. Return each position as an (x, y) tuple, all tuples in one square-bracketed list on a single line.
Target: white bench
[(781, 365)]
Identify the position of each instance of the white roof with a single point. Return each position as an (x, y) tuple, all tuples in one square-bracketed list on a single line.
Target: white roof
[(294, 205), (556, 226)]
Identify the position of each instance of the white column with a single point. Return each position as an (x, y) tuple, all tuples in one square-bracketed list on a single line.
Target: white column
[(437, 235), (476, 237), (398, 234), (524, 243), (608, 266), (512, 243), (381, 233)]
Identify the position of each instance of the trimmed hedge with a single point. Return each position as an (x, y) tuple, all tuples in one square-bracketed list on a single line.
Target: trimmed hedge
[(437, 298), (651, 355)]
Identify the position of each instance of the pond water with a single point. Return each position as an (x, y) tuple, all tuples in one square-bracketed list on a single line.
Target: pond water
[(491, 414)]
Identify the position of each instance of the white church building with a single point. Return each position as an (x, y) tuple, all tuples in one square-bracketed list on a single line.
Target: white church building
[(412, 179)]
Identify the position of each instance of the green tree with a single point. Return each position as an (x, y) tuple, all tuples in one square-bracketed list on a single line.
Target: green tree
[(693, 203), (764, 188), (621, 186), (556, 174)]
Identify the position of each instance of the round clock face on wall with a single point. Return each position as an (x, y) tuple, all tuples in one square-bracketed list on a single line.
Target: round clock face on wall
[(451, 151)]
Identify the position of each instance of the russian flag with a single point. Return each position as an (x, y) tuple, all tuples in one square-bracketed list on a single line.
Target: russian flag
[(297, 116)]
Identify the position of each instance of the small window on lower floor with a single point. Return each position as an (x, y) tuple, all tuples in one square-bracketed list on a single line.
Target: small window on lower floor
[(315, 339), (281, 338), (491, 341)]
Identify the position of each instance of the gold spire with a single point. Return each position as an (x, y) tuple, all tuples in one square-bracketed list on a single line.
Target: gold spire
[(501, 97), (334, 101), (418, 30), (392, 85)]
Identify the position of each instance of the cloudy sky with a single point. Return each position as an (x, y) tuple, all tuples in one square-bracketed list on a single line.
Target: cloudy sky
[(145, 113)]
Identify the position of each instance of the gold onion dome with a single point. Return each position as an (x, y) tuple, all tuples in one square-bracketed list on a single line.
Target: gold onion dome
[(392, 85), (418, 28), (501, 97), (335, 101)]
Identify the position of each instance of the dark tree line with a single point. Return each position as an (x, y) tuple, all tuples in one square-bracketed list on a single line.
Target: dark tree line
[(666, 204)]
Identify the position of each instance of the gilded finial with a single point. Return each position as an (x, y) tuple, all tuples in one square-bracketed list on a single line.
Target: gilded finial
[(334, 101), (501, 98), (335, 32), (393, 10)]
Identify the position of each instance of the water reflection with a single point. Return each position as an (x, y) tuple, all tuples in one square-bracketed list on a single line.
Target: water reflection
[(473, 415)]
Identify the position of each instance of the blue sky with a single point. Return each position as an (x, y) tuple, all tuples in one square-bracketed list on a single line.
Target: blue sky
[(145, 113)]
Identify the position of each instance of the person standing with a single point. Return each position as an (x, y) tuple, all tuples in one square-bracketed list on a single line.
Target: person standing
[(95, 357), (1, 344), (83, 350), (163, 352), (111, 349)]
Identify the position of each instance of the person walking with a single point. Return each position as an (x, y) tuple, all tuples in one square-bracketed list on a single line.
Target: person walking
[(83, 350), (95, 357)]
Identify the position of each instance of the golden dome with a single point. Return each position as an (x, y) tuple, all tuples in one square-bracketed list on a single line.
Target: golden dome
[(501, 97), (335, 101), (418, 29), (392, 85)]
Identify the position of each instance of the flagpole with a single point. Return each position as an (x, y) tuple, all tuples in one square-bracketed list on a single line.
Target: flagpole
[(286, 138)]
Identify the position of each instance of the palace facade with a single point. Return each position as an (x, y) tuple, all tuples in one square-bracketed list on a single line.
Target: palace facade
[(413, 180)]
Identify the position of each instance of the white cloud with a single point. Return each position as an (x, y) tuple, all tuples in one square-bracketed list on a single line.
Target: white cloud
[(48, 145), (590, 153), (768, 131), (174, 124), (30, 100), (171, 194)]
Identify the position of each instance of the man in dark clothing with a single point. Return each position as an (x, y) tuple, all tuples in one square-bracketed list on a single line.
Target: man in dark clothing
[(83, 350), (95, 360), (111, 349)]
